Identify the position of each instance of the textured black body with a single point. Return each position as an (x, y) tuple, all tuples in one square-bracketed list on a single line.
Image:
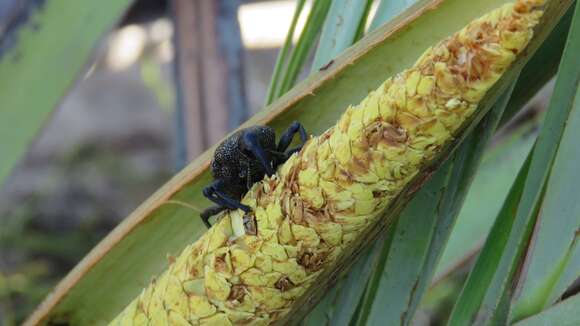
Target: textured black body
[(236, 165), (243, 159)]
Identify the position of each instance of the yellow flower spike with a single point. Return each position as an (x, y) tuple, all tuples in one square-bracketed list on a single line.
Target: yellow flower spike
[(250, 243), (250, 201), (257, 277), (177, 319), (324, 199), (356, 123), (285, 233), (258, 321), (349, 237), (327, 168), (140, 319), (242, 302), (344, 122), (340, 144), (334, 192), (262, 218), (360, 191), (426, 85), (194, 287), (200, 307), (292, 294), (330, 232), (292, 251), (219, 235), (175, 298), (308, 236), (294, 271), (309, 155), (217, 286), (343, 205), (412, 82), (397, 92), (308, 180), (266, 236), (241, 260), (274, 250), (238, 316), (158, 316), (220, 319), (267, 298), (264, 262), (364, 207), (371, 111), (274, 212), (352, 223)]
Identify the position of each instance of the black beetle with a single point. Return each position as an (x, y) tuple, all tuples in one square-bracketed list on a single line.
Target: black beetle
[(243, 159)]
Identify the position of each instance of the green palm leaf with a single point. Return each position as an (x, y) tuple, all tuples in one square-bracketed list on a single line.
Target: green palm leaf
[(61, 33)]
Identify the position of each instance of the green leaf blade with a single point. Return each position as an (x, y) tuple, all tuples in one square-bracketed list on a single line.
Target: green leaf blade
[(353, 287), (555, 239), (339, 30), (564, 313), (471, 297), (503, 262), (491, 185), (45, 45), (305, 43), (393, 290), (387, 10), (272, 92)]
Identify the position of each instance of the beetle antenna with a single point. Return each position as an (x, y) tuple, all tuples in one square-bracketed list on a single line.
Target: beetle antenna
[(184, 204)]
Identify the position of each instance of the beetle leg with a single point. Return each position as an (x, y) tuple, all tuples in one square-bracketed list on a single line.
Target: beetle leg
[(214, 193), (209, 212), (287, 137), (276, 154), (250, 142)]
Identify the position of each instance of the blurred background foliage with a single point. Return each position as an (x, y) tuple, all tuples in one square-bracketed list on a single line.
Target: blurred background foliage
[(125, 128)]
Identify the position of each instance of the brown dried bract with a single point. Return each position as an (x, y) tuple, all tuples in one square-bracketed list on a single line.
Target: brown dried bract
[(237, 293), (284, 284), (220, 264), (297, 210), (394, 136), (311, 261), (250, 225)]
